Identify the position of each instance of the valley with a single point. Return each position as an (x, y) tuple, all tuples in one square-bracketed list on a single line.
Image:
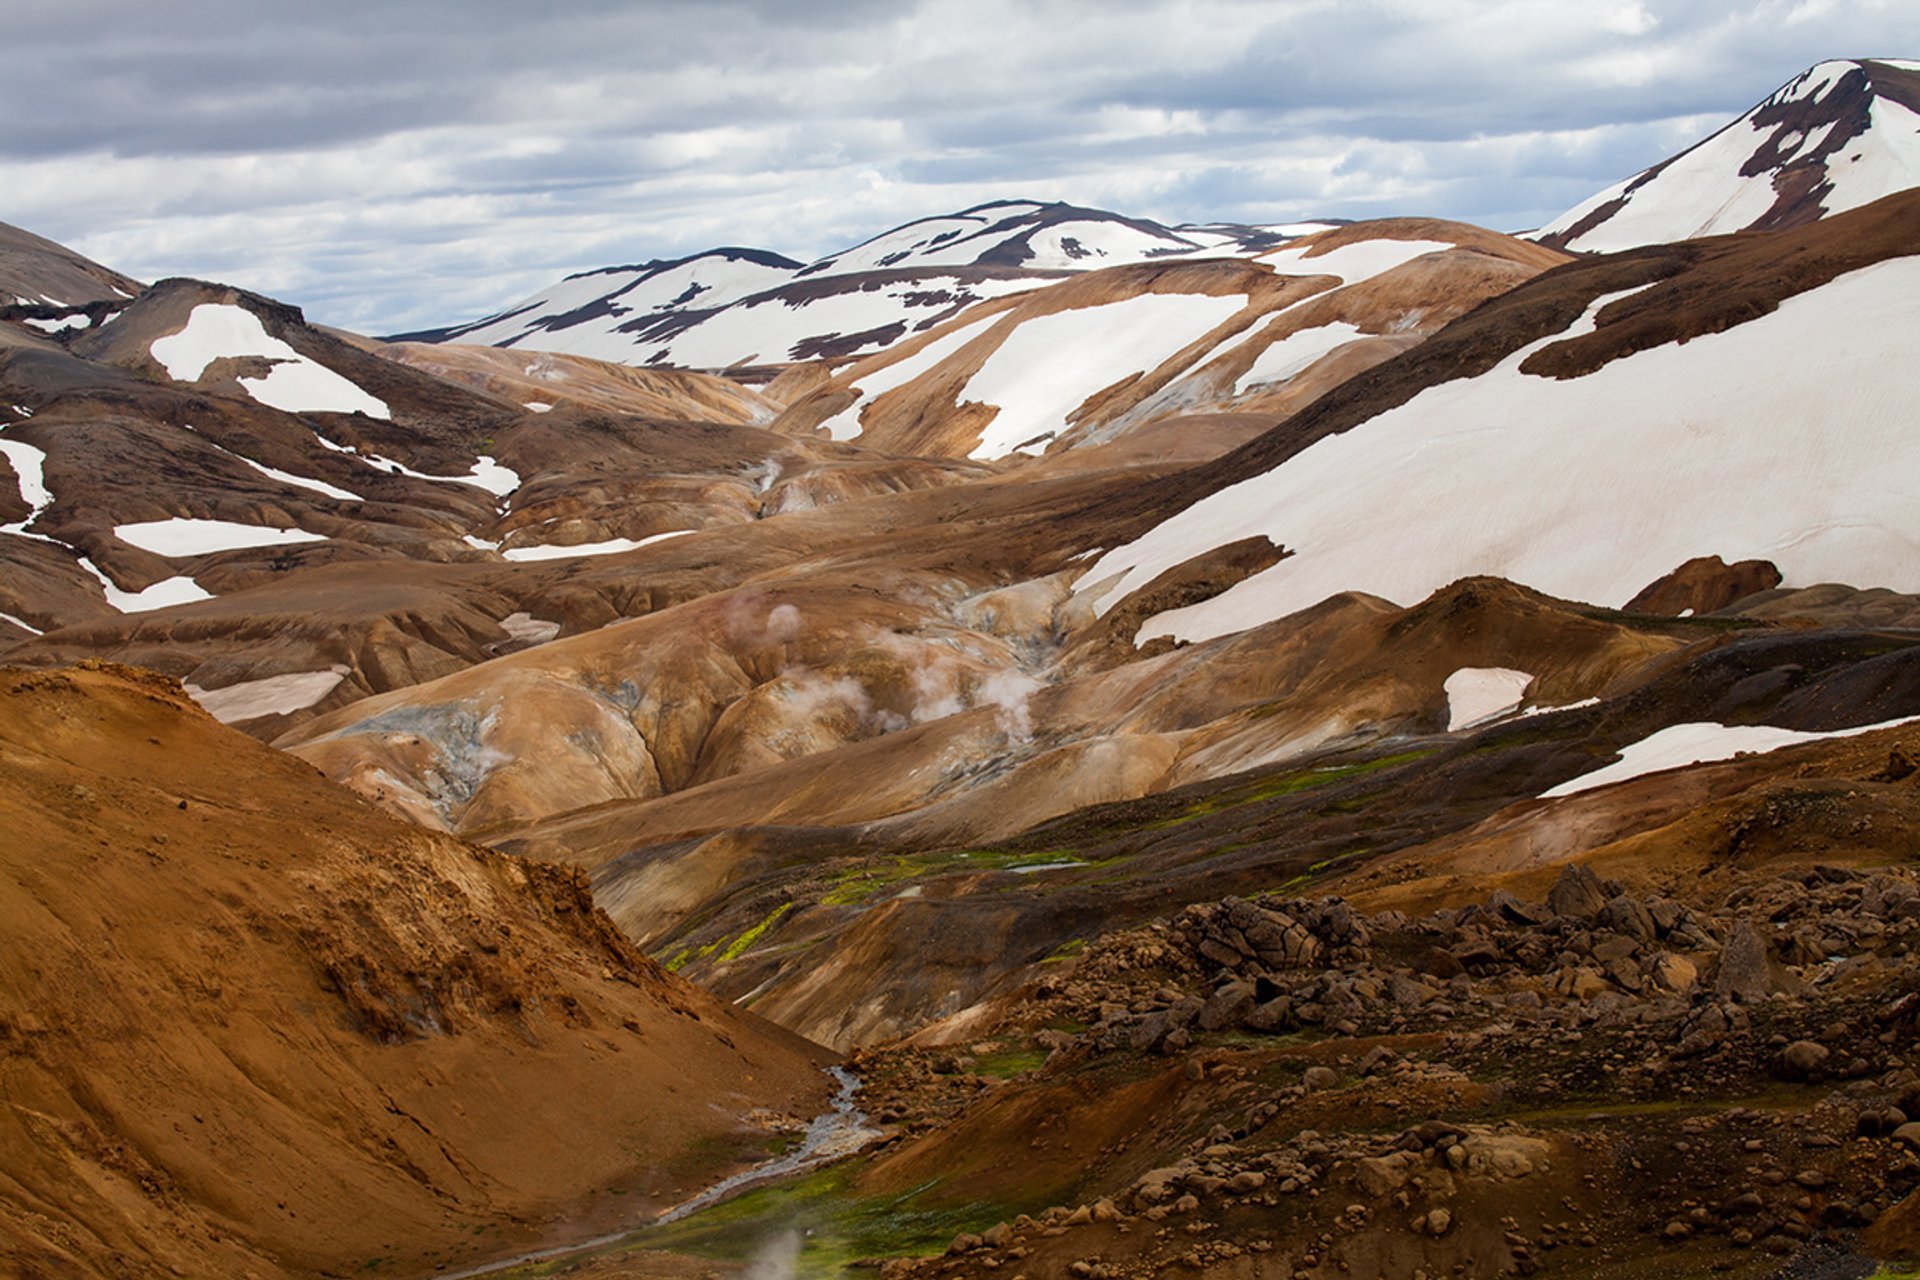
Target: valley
[(1041, 744)]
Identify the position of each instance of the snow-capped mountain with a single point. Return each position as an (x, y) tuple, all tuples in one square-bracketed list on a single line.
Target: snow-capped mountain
[(1097, 356), (1839, 135), (1749, 401), (730, 307)]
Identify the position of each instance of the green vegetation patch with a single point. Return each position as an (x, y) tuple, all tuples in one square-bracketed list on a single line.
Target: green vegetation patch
[(740, 945), (1273, 787), (1004, 1064), (819, 1221), (861, 884)]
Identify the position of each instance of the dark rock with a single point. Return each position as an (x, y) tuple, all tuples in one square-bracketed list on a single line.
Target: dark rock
[(1800, 1060), (1226, 1008), (1576, 893)]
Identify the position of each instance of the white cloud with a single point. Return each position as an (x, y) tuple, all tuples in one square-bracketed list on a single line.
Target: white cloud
[(394, 166)]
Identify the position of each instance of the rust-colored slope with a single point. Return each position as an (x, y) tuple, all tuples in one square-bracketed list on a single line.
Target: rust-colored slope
[(248, 1025), (541, 378), (1374, 315)]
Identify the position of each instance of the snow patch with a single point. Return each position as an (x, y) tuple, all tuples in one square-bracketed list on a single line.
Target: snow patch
[(1284, 359), (184, 536), (1046, 368), (1716, 446), (845, 425), (552, 551), (161, 595), (217, 330), (525, 627), (1353, 263), (1476, 695), (1703, 742), (65, 324), (29, 463), (272, 696), (286, 477)]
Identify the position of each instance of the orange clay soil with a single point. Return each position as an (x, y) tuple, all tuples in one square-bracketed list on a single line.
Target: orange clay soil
[(251, 1025)]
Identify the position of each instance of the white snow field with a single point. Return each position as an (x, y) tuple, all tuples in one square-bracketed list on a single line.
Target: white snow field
[(1353, 263), (272, 696), (1702, 192), (845, 425), (1050, 365), (707, 281), (1703, 742), (1788, 438), (555, 551), (216, 330), (29, 464), (1292, 354), (161, 595), (184, 536), (488, 474), (597, 313), (1476, 695)]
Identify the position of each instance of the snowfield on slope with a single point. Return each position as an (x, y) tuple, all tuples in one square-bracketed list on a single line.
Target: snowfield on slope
[(1353, 263), (1709, 190), (845, 425), (1701, 742), (612, 546), (1478, 694), (184, 536), (1788, 438), (272, 696), (218, 330), (1050, 365)]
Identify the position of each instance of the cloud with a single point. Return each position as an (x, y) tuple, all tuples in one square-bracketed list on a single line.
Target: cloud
[(394, 166)]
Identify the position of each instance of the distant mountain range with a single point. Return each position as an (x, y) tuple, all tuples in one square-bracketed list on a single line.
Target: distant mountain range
[(732, 307), (1840, 135)]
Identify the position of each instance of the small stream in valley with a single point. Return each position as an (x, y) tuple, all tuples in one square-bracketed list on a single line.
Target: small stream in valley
[(838, 1132)]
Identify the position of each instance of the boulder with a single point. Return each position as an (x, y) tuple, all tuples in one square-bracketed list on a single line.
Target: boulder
[(1747, 973), (1629, 916), (1576, 893), (1226, 1008), (1801, 1060)]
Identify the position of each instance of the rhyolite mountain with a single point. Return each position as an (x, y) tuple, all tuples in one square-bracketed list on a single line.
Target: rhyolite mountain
[(734, 307), (1386, 750), (1839, 135)]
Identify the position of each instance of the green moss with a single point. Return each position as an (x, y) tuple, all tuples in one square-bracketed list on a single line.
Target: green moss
[(1273, 787), (1004, 1064), (740, 945), (832, 1225), (1065, 951)]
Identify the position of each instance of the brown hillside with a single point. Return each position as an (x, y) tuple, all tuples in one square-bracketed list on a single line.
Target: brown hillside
[(249, 1025)]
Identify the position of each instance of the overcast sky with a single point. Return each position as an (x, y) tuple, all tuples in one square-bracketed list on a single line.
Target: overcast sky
[(399, 163)]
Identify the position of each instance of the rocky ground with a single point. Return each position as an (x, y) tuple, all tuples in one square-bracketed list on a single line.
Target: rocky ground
[(1600, 1083)]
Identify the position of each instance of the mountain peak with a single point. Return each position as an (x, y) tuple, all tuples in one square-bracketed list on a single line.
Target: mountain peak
[(1841, 134)]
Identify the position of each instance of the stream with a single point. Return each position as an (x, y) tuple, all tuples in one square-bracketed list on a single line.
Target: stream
[(832, 1134)]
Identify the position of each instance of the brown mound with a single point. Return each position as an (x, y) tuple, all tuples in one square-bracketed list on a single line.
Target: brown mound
[(264, 1029), (1703, 585)]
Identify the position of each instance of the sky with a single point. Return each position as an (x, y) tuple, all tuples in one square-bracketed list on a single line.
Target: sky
[(403, 163)]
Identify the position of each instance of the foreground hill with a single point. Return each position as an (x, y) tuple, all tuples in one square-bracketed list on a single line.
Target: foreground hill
[(1839, 135), (273, 1032)]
